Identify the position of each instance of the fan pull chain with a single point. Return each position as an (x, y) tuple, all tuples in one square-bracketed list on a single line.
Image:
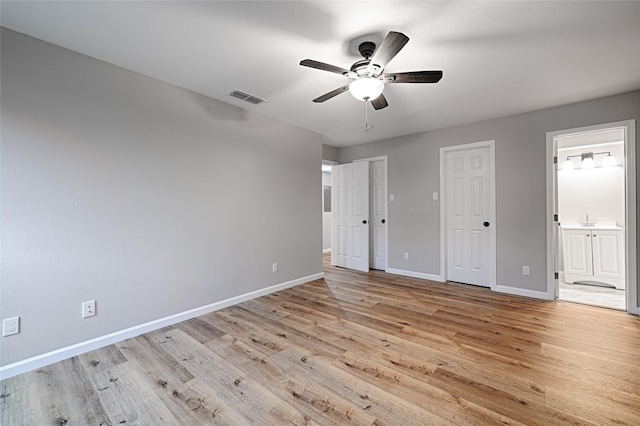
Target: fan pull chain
[(366, 116)]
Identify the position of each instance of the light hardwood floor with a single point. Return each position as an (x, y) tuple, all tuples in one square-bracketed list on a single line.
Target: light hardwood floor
[(354, 348)]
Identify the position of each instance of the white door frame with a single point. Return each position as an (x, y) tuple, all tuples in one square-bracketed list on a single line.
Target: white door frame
[(631, 272), (492, 207), (383, 158)]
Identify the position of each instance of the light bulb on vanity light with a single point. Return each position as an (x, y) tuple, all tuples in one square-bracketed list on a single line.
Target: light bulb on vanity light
[(587, 163), (609, 161), (567, 165)]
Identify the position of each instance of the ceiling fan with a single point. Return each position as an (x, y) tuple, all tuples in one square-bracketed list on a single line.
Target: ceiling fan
[(368, 74)]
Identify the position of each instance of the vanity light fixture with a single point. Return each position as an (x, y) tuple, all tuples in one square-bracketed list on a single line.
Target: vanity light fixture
[(587, 160)]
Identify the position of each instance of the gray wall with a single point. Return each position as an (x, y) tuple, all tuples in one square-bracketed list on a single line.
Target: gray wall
[(413, 162), (330, 153), (149, 198)]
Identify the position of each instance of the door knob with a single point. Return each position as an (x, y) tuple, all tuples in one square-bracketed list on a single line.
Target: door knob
[(486, 224), (383, 221), (364, 221)]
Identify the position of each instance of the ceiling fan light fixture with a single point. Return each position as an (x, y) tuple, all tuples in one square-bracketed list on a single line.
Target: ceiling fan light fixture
[(368, 73), (366, 88)]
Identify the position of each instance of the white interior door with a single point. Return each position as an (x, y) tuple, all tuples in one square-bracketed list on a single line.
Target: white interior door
[(377, 198), (350, 199), (468, 216)]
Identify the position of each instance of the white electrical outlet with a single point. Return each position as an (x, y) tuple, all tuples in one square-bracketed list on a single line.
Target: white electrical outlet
[(525, 270), (275, 267), (406, 255), (88, 309), (11, 326)]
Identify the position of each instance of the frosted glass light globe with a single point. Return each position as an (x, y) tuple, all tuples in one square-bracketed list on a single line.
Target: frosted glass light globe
[(587, 163), (366, 88), (609, 161)]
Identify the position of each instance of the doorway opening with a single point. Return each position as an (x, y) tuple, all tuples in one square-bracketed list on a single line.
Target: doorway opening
[(594, 215), (327, 220)]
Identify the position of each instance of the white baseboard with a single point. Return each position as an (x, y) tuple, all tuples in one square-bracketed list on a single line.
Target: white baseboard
[(42, 360), (326, 250), (420, 275), (498, 288), (521, 292)]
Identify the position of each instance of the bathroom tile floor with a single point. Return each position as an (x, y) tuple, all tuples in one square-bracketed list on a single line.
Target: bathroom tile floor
[(593, 295)]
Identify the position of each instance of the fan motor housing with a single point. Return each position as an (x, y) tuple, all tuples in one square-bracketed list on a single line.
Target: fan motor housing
[(361, 67), (367, 48)]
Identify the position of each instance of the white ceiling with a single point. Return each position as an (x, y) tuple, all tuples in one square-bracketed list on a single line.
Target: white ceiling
[(498, 58)]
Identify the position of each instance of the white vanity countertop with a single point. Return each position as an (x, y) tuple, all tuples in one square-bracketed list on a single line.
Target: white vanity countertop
[(599, 226)]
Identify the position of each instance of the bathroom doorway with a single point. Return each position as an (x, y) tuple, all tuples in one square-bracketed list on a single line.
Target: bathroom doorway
[(593, 219)]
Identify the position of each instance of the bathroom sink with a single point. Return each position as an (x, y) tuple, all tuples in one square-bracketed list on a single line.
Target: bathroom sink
[(600, 226)]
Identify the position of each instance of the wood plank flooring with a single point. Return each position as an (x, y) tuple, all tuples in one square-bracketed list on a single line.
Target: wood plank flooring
[(354, 348)]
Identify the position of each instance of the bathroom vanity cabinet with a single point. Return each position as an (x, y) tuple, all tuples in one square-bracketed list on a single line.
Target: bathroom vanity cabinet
[(593, 254)]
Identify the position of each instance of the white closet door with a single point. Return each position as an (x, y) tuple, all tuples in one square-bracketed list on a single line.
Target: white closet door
[(468, 216), (378, 197), (351, 216)]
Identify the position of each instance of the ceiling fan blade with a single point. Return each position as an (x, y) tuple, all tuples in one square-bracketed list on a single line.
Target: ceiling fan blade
[(331, 94), (324, 67), (413, 77), (379, 102), (388, 49)]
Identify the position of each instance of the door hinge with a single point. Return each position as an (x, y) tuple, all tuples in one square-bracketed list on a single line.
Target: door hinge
[(555, 217), (555, 160), (556, 275)]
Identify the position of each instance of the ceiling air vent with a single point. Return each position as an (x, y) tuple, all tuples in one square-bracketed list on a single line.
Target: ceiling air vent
[(246, 97)]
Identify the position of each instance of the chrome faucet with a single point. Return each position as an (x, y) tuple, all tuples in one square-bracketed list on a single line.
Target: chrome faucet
[(587, 223)]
